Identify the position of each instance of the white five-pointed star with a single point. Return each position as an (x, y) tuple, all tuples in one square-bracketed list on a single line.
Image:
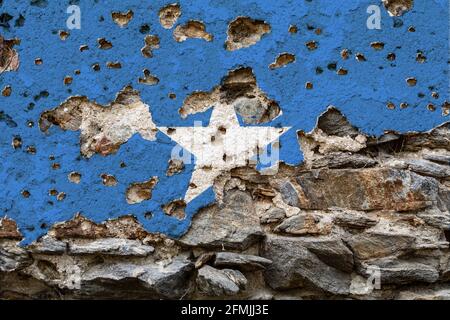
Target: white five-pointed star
[(221, 146)]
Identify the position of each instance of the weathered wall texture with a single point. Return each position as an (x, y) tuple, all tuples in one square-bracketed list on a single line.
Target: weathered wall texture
[(92, 206)]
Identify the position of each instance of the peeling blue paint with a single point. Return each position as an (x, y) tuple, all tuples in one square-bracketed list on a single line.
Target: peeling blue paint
[(199, 65)]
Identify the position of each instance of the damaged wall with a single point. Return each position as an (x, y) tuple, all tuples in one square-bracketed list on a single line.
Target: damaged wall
[(91, 201)]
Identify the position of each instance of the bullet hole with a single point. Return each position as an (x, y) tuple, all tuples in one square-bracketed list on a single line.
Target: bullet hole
[(30, 106), (51, 157), (420, 57), (123, 165), (398, 23), (435, 95), (20, 21), (77, 72), (176, 166), (101, 18), (7, 119), (431, 107), (26, 194), (175, 209), (43, 226), (390, 106), (114, 65), (148, 78), (38, 61), (122, 18), (332, 66), (411, 29), (172, 96), (151, 43), (293, 29), (377, 45), (61, 196), (319, 70), (171, 130), (84, 47), (63, 35), (96, 67), (140, 191), (309, 27), (6, 92), (342, 72), (169, 15), (4, 20), (318, 31), (53, 192), (16, 142), (30, 124), (360, 57), (403, 105), (74, 177), (56, 166), (282, 60), (244, 32), (311, 45), (39, 3), (31, 150), (222, 130), (411, 81), (104, 44), (421, 95), (148, 215), (224, 157), (68, 80), (42, 94), (391, 56), (193, 29), (345, 54), (144, 29), (108, 180), (309, 85)]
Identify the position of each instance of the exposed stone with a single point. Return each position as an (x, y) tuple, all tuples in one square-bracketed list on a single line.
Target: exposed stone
[(169, 15), (192, 29), (244, 32), (237, 277), (273, 215), (48, 245), (294, 266), (9, 58), (140, 191), (9, 230), (13, 257), (175, 209), (237, 90), (341, 160), (398, 7), (213, 282), (425, 294), (289, 194), (303, 224), (233, 226), (402, 272), (442, 159), (122, 18), (158, 281), (354, 220), (111, 246), (175, 166), (428, 168), (436, 218), (103, 128), (244, 262), (370, 189), (380, 244)]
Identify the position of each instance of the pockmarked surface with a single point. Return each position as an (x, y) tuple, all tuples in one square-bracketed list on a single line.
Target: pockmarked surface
[(91, 114)]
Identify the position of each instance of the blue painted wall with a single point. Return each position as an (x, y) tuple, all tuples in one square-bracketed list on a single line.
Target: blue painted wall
[(199, 65)]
